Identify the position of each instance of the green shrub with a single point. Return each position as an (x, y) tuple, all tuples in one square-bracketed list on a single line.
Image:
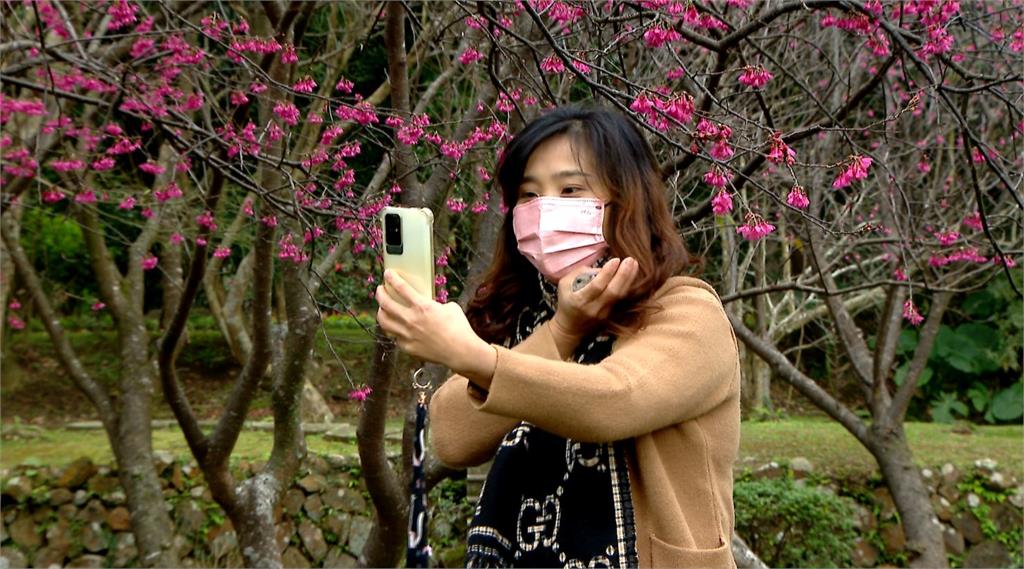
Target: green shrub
[(790, 525)]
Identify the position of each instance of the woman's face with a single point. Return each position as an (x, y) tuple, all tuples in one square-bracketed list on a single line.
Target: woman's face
[(554, 171)]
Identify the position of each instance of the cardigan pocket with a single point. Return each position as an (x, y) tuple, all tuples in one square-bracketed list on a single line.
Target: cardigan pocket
[(664, 554)]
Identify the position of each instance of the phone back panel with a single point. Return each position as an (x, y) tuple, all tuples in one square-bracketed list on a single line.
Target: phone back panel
[(416, 262)]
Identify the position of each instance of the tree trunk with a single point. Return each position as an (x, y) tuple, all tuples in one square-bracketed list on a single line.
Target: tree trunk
[(151, 522), (923, 531), (254, 520)]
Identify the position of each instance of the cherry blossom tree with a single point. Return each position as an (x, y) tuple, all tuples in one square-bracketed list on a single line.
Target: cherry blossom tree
[(835, 162)]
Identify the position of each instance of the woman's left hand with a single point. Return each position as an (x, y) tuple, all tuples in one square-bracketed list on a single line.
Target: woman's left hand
[(429, 330)]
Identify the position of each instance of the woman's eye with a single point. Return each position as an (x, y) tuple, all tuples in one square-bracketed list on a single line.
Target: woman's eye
[(572, 190)]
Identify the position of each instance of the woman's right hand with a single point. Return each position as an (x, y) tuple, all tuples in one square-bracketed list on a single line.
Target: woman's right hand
[(581, 311)]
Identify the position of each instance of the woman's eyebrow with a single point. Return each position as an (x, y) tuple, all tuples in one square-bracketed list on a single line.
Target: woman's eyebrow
[(562, 174)]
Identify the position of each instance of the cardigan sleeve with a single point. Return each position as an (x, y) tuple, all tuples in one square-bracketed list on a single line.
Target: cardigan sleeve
[(682, 364), (461, 434)]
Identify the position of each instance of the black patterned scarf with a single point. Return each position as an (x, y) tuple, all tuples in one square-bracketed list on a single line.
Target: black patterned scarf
[(550, 501)]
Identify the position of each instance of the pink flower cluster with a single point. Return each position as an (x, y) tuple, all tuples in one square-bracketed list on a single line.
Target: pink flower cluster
[(857, 169), (304, 85), (780, 151), (344, 85), (755, 76), (721, 204), (67, 165), (103, 163), (288, 56), (13, 320), (253, 45), (657, 111), (910, 313), (127, 203), (169, 192), (24, 107), (291, 251), (456, 205), (206, 220), (288, 112), (658, 36), (124, 145), (797, 198), (470, 56), (149, 262), (948, 238), (85, 196), (222, 252), (152, 168), (552, 64), (755, 227), (121, 14), (362, 113), (409, 133), (360, 394), (974, 221), (969, 254), (717, 178)]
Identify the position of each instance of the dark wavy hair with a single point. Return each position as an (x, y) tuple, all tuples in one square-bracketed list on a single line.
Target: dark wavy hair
[(639, 221)]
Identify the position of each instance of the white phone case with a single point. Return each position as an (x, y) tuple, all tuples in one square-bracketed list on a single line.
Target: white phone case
[(415, 260)]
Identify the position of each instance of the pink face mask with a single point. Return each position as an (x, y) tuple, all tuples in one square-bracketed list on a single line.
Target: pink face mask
[(559, 234)]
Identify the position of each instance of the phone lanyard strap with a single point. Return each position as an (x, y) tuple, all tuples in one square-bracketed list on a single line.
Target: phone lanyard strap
[(418, 553)]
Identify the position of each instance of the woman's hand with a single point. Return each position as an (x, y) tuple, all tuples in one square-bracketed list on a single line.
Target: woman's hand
[(581, 311), (429, 330)]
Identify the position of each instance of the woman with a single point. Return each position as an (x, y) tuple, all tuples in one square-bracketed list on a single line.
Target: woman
[(612, 411)]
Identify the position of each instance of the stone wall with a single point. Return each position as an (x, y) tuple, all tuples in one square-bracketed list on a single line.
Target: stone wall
[(980, 511), (76, 516)]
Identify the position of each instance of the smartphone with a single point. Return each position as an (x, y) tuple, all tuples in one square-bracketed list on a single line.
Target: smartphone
[(409, 247)]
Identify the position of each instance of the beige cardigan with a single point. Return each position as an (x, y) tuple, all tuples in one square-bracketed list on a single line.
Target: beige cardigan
[(673, 387)]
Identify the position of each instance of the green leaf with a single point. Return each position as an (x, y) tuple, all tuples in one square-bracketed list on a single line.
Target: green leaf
[(979, 396), (964, 361), (980, 304), (907, 342), (926, 375), (1007, 405), (901, 373), (945, 342), (945, 406)]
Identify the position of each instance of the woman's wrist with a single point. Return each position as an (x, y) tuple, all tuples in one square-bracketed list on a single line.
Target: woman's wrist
[(476, 362), (566, 338)]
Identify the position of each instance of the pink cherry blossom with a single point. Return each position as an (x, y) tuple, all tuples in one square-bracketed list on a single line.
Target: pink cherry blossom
[(288, 56), (910, 313), (14, 304), (974, 221), (721, 204), (360, 394), (97, 306), (780, 151), (857, 169), (127, 203), (15, 323), (797, 198), (149, 263), (717, 178), (67, 165), (552, 64), (288, 112), (755, 76), (755, 227), (222, 252), (470, 56), (304, 85)]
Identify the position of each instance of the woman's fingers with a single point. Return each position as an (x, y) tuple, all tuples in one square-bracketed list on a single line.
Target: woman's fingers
[(594, 288), (403, 290), (620, 284)]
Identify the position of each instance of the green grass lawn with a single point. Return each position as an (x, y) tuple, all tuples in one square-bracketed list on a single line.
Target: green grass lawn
[(832, 450), (58, 447), (836, 452)]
